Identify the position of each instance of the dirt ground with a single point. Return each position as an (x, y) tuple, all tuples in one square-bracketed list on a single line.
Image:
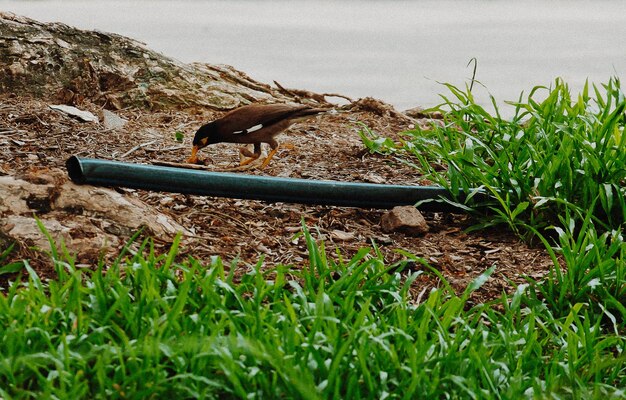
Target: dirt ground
[(33, 136)]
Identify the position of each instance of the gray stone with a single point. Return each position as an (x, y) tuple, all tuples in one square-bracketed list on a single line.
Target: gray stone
[(112, 121), (87, 219)]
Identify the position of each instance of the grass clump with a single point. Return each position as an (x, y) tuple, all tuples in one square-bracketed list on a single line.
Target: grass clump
[(150, 327), (556, 154), (555, 170)]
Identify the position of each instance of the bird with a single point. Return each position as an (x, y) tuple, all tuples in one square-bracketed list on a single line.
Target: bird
[(251, 124)]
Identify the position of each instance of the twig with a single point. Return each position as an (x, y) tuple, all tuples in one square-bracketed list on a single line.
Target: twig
[(172, 148), (208, 168), (320, 98), (137, 148), (186, 124), (181, 165), (8, 133)]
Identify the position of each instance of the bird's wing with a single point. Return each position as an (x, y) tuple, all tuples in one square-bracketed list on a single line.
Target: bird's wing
[(252, 118)]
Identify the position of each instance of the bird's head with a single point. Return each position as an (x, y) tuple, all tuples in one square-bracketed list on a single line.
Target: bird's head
[(206, 135)]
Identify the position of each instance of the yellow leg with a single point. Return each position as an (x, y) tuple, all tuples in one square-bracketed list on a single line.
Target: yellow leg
[(269, 158), (253, 156), (248, 161)]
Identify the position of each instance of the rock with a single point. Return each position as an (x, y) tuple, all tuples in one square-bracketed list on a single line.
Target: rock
[(126, 211), (85, 116), (89, 220), (374, 178), (405, 219), (18, 194), (112, 120), (79, 235)]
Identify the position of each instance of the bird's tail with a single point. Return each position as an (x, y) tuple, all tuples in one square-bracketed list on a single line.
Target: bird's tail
[(305, 113)]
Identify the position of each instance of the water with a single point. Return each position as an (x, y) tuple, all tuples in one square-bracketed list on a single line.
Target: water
[(397, 51)]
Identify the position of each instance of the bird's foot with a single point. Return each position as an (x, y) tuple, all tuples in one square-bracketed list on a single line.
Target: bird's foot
[(248, 161), (245, 152)]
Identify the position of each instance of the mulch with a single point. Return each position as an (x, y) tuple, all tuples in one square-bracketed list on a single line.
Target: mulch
[(33, 136)]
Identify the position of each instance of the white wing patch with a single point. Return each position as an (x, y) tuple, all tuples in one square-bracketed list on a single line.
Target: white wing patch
[(249, 130), (255, 128)]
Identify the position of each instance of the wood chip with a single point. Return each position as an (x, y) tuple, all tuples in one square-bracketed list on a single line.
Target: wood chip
[(492, 251), (341, 235), (82, 115)]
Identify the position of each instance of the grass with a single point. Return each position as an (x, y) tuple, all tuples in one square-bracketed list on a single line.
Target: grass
[(555, 171), (154, 325), (560, 154), (150, 327)]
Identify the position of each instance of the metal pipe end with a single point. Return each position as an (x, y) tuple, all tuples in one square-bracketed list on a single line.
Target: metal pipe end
[(75, 170)]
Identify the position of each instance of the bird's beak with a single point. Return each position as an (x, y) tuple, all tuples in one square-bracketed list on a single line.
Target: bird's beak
[(193, 159)]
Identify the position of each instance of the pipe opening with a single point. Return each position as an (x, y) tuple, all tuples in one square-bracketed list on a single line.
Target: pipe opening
[(75, 170)]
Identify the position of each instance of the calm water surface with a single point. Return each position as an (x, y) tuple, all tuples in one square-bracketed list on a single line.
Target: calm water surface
[(394, 50)]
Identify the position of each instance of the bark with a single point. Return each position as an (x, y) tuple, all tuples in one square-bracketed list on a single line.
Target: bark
[(64, 64)]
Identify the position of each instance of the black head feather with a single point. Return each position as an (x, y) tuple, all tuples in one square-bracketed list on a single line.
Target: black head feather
[(208, 132)]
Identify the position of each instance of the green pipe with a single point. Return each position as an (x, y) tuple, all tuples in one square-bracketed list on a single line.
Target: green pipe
[(273, 189)]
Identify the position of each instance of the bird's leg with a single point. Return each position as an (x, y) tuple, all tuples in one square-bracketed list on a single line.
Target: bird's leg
[(247, 153), (274, 145)]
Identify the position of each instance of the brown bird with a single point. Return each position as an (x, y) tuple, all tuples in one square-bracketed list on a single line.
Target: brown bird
[(256, 124)]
